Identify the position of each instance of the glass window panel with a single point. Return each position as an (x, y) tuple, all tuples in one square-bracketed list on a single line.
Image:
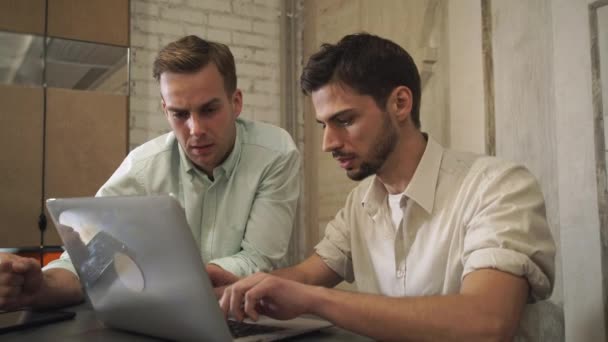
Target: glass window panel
[(81, 65), (21, 59)]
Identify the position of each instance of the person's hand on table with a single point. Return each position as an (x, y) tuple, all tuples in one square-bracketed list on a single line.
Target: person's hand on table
[(21, 280)]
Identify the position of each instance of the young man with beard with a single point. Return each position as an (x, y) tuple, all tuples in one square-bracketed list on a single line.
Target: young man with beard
[(238, 180), (443, 245)]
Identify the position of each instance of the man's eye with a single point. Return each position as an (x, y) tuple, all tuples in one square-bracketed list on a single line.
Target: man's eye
[(180, 115), (209, 110), (344, 122)]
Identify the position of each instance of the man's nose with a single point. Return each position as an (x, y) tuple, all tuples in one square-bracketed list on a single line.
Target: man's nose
[(196, 125), (331, 140)]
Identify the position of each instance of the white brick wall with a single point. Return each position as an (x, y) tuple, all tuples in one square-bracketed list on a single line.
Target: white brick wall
[(249, 27)]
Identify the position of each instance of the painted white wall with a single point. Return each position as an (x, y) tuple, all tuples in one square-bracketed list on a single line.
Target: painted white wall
[(576, 164), (465, 87)]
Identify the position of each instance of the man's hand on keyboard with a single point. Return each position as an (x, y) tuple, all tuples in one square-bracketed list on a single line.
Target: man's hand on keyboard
[(269, 295)]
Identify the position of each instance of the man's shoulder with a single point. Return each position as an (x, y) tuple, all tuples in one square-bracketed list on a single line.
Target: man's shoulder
[(265, 137), (476, 168), (490, 167), (158, 148), (144, 168), (467, 162)]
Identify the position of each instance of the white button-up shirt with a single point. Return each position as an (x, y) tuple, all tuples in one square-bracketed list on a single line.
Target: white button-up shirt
[(462, 212)]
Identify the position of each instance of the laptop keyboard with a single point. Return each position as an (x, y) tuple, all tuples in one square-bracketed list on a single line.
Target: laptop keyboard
[(242, 329)]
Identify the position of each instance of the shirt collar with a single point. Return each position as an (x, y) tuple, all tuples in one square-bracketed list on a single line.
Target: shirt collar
[(424, 183), (226, 168), (374, 196), (425, 178)]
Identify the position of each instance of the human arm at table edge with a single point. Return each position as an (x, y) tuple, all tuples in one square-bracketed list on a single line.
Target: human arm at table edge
[(60, 287), (488, 308), (312, 271)]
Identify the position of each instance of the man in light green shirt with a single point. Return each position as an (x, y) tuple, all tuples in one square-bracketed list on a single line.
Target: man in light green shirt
[(242, 219), (237, 180)]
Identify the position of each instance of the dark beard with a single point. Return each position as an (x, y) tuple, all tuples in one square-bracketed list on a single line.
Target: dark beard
[(383, 145)]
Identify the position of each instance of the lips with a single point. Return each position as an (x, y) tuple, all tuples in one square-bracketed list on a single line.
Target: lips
[(345, 162), (201, 149)]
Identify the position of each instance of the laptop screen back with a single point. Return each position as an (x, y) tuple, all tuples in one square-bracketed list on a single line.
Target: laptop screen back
[(135, 255)]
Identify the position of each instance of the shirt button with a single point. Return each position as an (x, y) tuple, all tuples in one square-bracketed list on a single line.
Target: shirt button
[(400, 273)]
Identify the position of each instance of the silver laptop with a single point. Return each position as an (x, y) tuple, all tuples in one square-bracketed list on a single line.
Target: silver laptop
[(142, 271)]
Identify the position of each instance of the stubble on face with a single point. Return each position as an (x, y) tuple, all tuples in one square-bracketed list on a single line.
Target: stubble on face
[(382, 146)]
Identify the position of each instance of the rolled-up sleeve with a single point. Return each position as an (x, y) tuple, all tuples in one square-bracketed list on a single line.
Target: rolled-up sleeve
[(509, 232), (63, 262), (335, 248)]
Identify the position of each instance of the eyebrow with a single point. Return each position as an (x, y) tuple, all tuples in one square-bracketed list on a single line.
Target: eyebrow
[(333, 117), (211, 102)]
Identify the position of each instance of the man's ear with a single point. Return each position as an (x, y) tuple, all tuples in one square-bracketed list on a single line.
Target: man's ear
[(237, 102), (401, 102)]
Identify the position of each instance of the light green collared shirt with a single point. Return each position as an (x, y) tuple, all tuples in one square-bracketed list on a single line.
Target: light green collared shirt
[(242, 221)]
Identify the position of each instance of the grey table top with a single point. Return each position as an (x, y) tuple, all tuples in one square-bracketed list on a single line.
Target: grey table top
[(85, 327)]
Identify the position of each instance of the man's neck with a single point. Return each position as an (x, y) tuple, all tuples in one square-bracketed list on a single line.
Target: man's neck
[(399, 168)]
